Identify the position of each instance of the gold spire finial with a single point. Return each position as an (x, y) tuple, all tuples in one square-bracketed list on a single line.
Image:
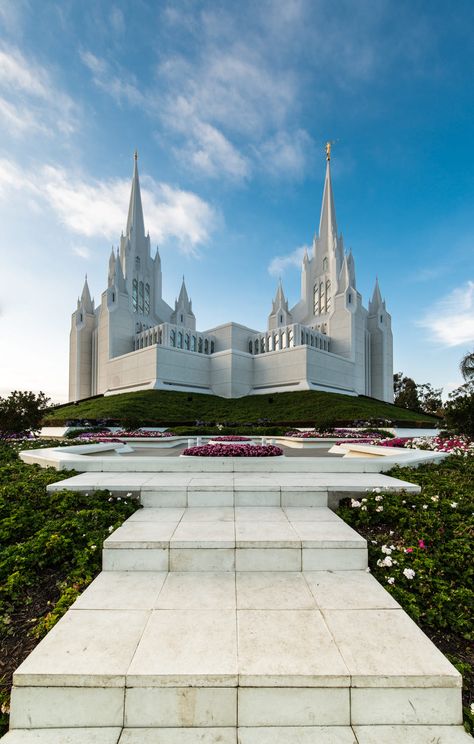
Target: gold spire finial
[(135, 155), (328, 150)]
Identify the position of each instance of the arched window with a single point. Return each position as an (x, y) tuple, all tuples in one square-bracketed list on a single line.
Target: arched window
[(135, 295), (182, 318), (180, 340), (212, 347), (315, 300), (349, 298), (193, 343), (283, 340), (262, 345), (200, 345), (137, 263), (328, 295), (290, 338), (173, 338), (186, 341), (160, 336), (206, 346), (256, 346), (277, 342), (147, 299), (270, 343), (140, 297), (322, 302), (250, 346), (325, 264)]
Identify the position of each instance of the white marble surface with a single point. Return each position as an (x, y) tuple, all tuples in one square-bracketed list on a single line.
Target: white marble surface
[(179, 736), (273, 590), (201, 591), (66, 707), (412, 735), (122, 590), (297, 735), (348, 590), (180, 707), (293, 706), (63, 736)]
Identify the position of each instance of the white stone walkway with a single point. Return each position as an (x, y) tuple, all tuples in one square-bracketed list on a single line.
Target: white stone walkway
[(235, 623)]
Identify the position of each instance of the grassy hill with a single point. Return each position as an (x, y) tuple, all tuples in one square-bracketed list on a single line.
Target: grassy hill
[(163, 407)]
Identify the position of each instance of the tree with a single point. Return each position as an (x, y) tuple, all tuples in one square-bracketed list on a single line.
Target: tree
[(430, 398), (467, 366), (21, 413), (459, 410), (406, 392)]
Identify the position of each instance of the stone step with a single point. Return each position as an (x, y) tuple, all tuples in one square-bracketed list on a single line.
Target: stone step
[(252, 649), (234, 495), (244, 735), (240, 538)]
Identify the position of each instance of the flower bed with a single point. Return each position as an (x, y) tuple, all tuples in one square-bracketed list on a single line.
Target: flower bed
[(231, 438), (452, 445), (104, 436), (367, 435), (234, 450)]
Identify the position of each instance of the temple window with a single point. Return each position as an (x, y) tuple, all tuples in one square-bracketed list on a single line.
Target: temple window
[(250, 347), (172, 338), (140, 297), (328, 295), (325, 264), (135, 295), (212, 347), (315, 299), (206, 346), (147, 299), (200, 346), (186, 341), (137, 263), (193, 343)]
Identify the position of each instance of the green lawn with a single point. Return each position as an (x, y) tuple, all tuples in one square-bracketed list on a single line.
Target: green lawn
[(162, 407)]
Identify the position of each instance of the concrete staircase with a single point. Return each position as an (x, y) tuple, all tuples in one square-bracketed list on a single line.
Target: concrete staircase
[(218, 623)]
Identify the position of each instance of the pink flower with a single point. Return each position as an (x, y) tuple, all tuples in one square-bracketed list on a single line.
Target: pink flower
[(408, 550), (421, 544)]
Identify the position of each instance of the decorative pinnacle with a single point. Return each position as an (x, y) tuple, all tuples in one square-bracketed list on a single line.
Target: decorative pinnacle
[(135, 155), (328, 149)]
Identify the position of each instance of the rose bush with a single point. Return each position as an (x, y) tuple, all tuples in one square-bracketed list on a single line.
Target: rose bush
[(234, 450)]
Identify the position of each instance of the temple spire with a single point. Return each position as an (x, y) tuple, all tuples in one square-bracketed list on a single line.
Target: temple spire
[(327, 222), (376, 301), (135, 223), (86, 299)]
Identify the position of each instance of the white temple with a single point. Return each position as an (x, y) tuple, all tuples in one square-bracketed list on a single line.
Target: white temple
[(134, 340)]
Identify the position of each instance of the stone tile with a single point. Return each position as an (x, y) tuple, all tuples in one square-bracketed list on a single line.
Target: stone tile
[(311, 514), (303, 498), (370, 642), (262, 590), (348, 590), (180, 707), (413, 706), (294, 706), (179, 736), (163, 514), (212, 559), (334, 559), (135, 560), (63, 736), (201, 591), (186, 647), (158, 499), (86, 648), (66, 707), (327, 535), (141, 535), (210, 498), (208, 514), (268, 559), (297, 735), (257, 498), (286, 648), (204, 535), (265, 535), (412, 735), (260, 514), (122, 590)]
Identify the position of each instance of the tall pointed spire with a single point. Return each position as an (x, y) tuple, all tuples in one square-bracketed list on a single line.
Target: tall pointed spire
[(86, 299), (135, 223), (327, 222), (376, 301)]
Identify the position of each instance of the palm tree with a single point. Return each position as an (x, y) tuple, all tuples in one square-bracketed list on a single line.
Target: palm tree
[(467, 366)]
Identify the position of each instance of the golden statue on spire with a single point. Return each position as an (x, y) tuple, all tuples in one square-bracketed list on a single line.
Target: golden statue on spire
[(328, 150)]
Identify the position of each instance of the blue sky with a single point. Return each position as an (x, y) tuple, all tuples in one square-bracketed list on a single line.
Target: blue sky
[(229, 105)]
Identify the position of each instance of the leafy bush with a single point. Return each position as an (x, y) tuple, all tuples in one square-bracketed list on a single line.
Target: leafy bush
[(21, 413), (420, 550), (459, 410)]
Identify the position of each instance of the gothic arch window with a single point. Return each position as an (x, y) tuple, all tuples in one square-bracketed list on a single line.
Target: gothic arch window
[(180, 340), (290, 338), (212, 347), (277, 342), (262, 345), (140, 297), (193, 343), (283, 340), (160, 336), (206, 346), (135, 295), (270, 343), (250, 347), (256, 346), (186, 341), (328, 295), (172, 338), (200, 345), (325, 264), (182, 318), (322, 301), (316, 300), (349, 298), (281, 318), (147, 299)]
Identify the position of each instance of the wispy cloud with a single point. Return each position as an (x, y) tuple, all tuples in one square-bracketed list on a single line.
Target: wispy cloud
[(93, 208), (451, 320), (31, 100), (280, 264)]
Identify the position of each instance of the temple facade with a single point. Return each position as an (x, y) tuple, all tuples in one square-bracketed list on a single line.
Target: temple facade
[(133, 340)]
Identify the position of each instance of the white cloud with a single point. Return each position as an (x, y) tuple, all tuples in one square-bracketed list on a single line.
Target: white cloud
[(280, 264), (122, 87), (451, 320), (82, 251), (31, 100), (287, 153), (94, 208)]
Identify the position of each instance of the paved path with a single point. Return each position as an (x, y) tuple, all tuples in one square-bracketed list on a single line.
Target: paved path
[(220, 618)]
